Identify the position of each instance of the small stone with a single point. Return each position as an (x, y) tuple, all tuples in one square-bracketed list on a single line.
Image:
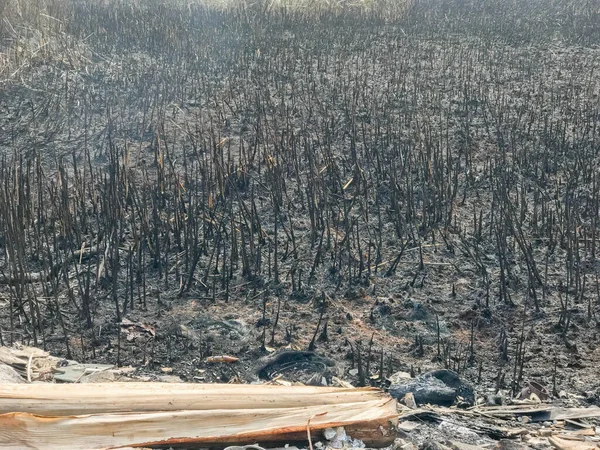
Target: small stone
[(357, 443), (562, 394), (340, 433), (329, 433)]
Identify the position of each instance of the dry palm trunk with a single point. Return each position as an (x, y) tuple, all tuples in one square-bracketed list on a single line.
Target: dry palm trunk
[(67, 399), (94, 416)]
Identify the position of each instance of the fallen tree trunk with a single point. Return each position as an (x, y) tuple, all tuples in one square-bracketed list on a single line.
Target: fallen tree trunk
[(90, 398), (94, 416)]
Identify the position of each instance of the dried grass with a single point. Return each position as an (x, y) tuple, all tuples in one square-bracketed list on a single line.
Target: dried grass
[(36, 32)]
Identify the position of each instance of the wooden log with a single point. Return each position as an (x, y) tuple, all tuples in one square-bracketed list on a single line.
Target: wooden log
[(216, 415), (89, 398)]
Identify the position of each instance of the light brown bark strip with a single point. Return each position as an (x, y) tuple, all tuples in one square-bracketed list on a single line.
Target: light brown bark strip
[(373, 421), (89, 398)]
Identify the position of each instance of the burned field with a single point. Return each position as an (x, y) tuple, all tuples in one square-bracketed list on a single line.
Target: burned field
[(392, 186)]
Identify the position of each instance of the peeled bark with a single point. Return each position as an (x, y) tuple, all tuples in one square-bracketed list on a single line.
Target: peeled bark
[(113, 415)]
